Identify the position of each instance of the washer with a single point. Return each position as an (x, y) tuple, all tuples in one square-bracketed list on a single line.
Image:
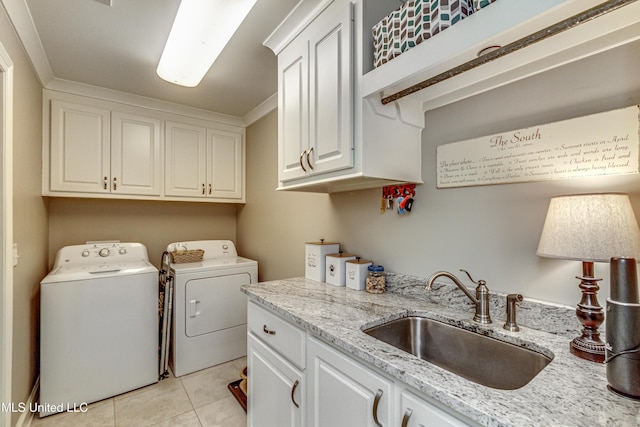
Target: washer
[(98, 325), (209, 323)]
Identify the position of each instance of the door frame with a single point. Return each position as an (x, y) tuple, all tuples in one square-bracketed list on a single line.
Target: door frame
[(6, 218)]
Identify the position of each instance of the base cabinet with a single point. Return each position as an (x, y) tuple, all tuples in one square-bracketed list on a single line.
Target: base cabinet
[(343, 393), (278, 387), (415, 412), (295, 379)]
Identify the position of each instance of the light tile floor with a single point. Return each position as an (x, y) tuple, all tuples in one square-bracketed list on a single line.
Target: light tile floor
[(200, 399)]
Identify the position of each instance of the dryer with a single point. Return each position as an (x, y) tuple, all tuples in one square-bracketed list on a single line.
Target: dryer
[(209, 322)]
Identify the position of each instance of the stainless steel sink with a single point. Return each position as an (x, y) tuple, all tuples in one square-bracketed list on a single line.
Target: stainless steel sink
[(478, 358)]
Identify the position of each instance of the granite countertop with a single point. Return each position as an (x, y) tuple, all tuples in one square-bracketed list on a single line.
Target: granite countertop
[(567, 392)]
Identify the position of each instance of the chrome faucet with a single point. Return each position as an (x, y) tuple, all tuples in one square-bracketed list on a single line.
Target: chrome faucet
[(481, 300)]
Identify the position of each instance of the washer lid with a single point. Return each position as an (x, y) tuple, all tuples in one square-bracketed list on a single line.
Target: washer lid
[(96, 271)]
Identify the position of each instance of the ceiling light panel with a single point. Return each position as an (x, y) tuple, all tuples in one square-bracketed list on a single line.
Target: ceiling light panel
[(200, 31)]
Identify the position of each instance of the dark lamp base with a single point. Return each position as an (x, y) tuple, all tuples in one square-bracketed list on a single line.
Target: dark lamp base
[(589, 350), (588, 345)]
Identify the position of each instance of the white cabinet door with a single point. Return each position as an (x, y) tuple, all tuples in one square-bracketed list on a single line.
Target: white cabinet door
[(225, 164), (185, 159), (416, 412), (331, 91), (276, 389), (343, 393), (135, 155), (80, 153), (315, 91), (293, 109)]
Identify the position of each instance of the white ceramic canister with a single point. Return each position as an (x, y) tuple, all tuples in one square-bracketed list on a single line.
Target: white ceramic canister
[(315, 258), (336, 268), (357, 273)]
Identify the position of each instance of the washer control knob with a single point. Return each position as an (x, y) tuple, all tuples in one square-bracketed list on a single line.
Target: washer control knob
[(104, 252), (85, 253), (122, 251)]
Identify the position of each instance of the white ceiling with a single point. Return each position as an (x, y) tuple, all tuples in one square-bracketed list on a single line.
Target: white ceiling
[(118, 47)]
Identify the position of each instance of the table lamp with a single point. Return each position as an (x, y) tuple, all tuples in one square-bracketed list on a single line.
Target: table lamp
[(590, 228)]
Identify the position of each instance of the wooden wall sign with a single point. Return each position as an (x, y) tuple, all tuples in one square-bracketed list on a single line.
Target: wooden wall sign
[(599, 144)]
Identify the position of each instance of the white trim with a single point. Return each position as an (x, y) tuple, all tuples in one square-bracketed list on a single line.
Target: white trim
[(26, 417), (6, 200), (261, 110), (304, 12), (20, 16), (97, 92)]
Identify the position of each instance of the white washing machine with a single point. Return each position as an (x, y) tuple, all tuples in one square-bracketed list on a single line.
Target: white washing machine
[(98, 325), (209, 322)]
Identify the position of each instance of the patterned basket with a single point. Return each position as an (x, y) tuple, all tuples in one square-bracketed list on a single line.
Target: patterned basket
[(414, 22), (185, 256)]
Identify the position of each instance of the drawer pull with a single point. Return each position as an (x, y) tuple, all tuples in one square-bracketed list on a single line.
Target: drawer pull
[(407, 415), (268, 331), (293, 390), (301, 156), (376, 402)]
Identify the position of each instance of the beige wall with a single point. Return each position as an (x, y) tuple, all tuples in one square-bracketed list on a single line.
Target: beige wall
[(492, 231), (154, 224), (30, 214), (273, 226)]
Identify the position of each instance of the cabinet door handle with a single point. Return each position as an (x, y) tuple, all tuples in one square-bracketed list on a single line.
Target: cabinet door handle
[(309, 161), (301, 156), (293, 390), (407, 415), (268, 331), (115, 186), (209, 189), (203, 191), (106, 182), (376, 402)]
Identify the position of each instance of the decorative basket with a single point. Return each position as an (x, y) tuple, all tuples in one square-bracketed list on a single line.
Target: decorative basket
[(185, 256)]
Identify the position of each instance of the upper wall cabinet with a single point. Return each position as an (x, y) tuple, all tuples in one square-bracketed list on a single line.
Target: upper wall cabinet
[(94, 151), (329, 139), (315, 99), (97, 148), (203, 163), (80, 148)]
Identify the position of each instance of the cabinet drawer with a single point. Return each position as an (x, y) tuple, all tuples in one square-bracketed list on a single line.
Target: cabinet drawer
[(281, 335)]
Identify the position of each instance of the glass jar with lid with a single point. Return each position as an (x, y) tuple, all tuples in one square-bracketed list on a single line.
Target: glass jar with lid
[(376, 279)]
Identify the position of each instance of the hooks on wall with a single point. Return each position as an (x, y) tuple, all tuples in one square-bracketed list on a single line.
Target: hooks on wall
[(404, 193)]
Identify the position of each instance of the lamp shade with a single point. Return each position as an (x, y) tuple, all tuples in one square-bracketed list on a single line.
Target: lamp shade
[(590, 227)]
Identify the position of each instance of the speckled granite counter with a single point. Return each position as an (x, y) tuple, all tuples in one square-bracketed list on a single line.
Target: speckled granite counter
[(568, 392)]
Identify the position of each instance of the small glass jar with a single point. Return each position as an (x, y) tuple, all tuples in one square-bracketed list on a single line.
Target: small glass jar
[(376, 279)]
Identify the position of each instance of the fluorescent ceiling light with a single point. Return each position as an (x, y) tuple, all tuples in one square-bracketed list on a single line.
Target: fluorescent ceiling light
[(200, 31)]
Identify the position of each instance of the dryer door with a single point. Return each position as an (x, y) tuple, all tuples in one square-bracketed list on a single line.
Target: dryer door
[(215, 303)]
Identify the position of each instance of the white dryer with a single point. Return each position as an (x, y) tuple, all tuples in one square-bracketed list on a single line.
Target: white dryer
[(98, 325), (209, 322)]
